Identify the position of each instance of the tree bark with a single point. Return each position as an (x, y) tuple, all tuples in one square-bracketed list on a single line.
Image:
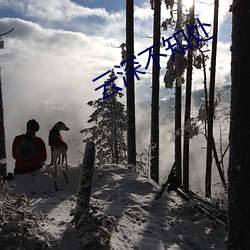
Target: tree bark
[(3, 161), (83, 193), (154, 168), (188, 106), (131, 131), (178, 131), (239, 159), (178, 91), (211, 103)]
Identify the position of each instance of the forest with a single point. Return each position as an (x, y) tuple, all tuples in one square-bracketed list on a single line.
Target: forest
[(182, 46)]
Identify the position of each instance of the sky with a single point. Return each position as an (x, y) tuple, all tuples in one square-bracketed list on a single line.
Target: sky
[(58, 47)]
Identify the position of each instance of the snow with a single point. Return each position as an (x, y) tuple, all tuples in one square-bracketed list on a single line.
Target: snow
[(141, 221)]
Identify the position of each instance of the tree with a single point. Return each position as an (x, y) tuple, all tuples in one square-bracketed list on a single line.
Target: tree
[(131, 129), (210, 139), (83, 192), (239, 159), (178, 104), (188, 106), (3, 163), (154, 168), (176, 66), (91, 227), (3, 160), (110, 125)]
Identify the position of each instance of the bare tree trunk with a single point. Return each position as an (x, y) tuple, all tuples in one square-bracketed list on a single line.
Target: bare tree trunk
[(211, 103), (3, 161), (216, 158), (205, 88), (178, 160), (115, 151), (178, 130), (93, 231), (81, 215), (154, 168), (188, 106), (239, 159), (213, 142), (131, 131)]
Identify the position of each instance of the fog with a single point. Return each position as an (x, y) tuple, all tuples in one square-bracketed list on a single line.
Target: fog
[(198, 143), (48, 67)]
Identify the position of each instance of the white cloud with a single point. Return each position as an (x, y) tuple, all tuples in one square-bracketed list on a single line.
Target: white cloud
[(53, 10), (46, 71), (143, 13), (55, 59), (206, 10)]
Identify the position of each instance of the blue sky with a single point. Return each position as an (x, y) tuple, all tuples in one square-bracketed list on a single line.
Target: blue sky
[(59, 46), (109, 5)]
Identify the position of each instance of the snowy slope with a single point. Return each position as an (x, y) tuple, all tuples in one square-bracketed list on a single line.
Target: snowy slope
[(141, 221)]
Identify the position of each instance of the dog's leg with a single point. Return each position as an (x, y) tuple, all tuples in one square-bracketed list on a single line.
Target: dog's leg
[(66, 161), (63, 157), (51, 155), (55, 158), (59, 159)]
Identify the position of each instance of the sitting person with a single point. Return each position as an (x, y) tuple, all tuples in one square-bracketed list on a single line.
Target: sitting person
[(28, 150)]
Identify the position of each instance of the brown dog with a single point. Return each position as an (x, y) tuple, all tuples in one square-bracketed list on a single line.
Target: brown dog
[(58, 146)]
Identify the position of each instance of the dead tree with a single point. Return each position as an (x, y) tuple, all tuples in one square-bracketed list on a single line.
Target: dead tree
[(84, 186), (94, 231), (211, 104)]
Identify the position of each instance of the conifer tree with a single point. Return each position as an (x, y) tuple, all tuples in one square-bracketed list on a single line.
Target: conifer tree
[(238, 169), (130, 97), (3, 165), (3, 161), (154, 167), (110, 121)]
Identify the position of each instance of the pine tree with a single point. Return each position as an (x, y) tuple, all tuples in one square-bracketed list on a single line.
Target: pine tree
[(3, 164), (110, 120), (3, 161), (174, 74), (131, 126), (188, 105), (238, 170), (178, 90), (154, 168)]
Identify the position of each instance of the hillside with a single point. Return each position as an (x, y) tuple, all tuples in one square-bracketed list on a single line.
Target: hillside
[(141, 221)]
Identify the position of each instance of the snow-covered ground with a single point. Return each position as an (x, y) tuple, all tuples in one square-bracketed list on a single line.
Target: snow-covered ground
[(141, 221)]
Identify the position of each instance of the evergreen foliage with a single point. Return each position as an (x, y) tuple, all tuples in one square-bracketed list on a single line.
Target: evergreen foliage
[(110, 119)]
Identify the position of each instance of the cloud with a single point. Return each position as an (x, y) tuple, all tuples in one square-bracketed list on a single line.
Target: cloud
[(49, 62), (143, 13), (47, 74), (56, 10)]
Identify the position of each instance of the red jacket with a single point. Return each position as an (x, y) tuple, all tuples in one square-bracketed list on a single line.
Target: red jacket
[(55, 139), (37, 159)]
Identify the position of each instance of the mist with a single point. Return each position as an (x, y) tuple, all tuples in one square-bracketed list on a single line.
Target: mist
[(47, 72)]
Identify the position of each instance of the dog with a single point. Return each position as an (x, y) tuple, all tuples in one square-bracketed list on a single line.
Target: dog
[(58, 146)]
